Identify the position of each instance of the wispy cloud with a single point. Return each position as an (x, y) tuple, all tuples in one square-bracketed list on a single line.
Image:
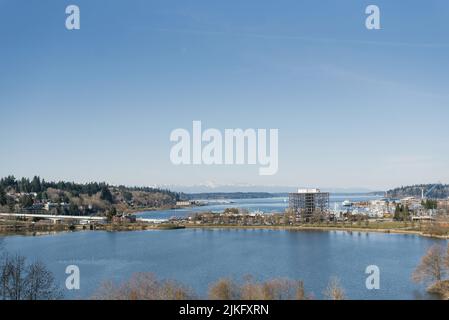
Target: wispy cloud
[(237, 33)]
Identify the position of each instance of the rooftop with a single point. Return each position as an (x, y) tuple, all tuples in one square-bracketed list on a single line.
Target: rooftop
[(309, 190)]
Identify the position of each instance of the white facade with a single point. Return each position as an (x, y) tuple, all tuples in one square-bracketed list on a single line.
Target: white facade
[(309, 190)]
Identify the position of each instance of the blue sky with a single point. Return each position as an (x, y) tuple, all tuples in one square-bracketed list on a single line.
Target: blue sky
[(354, 107)]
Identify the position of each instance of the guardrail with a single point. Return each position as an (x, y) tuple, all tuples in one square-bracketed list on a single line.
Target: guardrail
[(52, 217)]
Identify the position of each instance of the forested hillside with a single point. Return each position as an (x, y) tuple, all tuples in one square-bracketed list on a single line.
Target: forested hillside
[(77, 198), (438, 191)]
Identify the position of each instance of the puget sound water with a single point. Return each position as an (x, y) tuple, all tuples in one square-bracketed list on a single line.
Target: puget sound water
[(266, 205), (198, 257)]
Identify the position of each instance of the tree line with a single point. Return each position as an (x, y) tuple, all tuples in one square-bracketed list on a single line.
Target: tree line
[(25, 192), (402, 212), (439, 191), (36, 185)]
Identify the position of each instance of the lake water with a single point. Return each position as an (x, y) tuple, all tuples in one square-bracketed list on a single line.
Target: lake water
[(266, 205), (198, 257)]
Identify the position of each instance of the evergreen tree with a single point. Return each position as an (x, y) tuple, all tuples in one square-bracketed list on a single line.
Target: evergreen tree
[(106, 195), (3, 199), (406, 213), (127, 196), (11, 203), (397, 212), (429, 204), (26, 201), (36, 184)]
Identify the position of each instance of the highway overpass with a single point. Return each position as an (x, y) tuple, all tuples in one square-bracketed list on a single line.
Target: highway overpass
[(54, 218)]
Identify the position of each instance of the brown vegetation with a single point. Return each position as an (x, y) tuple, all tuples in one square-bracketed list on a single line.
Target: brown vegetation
[(144, 286), (275, 289), (21, 281), (433, 268), (334, 291)]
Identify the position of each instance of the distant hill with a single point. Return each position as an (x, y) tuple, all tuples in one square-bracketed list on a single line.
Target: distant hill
[(257, 195), (439, 191), (77, 198), (217, 188)]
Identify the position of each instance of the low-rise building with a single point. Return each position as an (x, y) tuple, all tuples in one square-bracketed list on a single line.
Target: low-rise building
[(50, 205), (126, 218), (184, 203)]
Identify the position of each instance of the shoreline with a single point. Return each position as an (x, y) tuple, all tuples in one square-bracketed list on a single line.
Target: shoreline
[(324, 229), (138, 211), (144, 227)]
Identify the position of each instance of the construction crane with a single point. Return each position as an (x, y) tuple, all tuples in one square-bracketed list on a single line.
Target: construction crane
[(424, 196)]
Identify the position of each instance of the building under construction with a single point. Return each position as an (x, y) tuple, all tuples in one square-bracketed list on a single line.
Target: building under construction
[(307, 202)]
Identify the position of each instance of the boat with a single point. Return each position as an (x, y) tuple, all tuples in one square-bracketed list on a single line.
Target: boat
[(347, 203)]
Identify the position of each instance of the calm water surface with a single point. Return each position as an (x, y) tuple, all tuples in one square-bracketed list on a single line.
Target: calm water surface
[(200, 256)]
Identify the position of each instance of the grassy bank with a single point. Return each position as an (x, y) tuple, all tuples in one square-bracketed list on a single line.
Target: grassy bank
[(25, 227), (383, 229)]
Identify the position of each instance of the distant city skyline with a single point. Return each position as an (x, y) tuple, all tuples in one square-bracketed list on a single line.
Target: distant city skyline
[(355, 108)]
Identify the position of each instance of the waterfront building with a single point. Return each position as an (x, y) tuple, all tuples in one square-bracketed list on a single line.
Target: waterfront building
[(306, 202), (184, 203), (50, 205), (127, 218), (381, 208)]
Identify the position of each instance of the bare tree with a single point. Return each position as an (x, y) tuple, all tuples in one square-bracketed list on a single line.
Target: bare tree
[(283, 289), (12, 275), (251, 290), (300, 293), (173, 290), (436, 228), (432, 266), (334, 290), (447, 258), (19, 281), (108, 291), (40, 283), (275, 289), (318, 216), (224, 289)]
